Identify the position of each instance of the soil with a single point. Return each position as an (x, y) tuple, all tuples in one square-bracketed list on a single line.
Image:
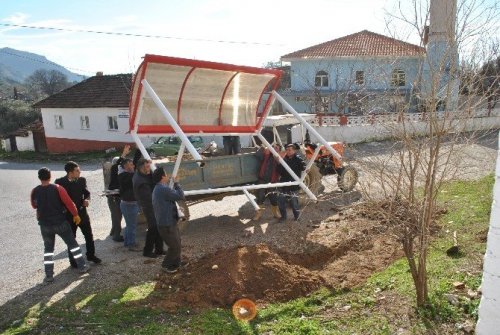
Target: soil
[(340, 251), (254, 272)]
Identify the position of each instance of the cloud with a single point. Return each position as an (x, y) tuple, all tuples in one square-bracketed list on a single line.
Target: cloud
[(16, 18)]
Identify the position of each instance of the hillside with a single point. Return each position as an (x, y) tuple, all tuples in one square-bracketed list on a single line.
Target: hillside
[(16, 66)]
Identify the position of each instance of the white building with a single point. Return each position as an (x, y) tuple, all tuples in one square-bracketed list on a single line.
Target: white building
[(91, 115)]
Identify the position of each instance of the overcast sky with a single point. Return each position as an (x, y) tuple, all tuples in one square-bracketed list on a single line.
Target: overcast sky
[(268, 29)]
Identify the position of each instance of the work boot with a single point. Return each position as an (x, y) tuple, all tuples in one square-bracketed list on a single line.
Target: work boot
[(94, 258), (258, 214), (276, 212)]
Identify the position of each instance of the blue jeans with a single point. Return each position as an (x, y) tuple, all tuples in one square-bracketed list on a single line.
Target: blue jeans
[(130, 210), (291, 196)]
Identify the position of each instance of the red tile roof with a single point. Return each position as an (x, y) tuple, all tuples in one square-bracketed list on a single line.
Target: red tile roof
[(94, 92), (363, 43)]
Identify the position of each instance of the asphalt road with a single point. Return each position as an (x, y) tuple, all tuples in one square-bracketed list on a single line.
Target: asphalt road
[(20, 239)]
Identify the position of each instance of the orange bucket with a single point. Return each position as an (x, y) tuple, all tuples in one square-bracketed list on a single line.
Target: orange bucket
[(244, 309)]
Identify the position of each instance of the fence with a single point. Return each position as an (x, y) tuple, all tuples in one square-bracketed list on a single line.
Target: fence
[(356, 129)]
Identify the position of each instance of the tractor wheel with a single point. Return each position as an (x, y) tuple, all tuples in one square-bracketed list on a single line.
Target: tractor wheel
[(347, 179), (183, 222), (313, 182)]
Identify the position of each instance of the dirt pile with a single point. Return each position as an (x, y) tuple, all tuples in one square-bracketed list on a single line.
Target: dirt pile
[(255, 272)]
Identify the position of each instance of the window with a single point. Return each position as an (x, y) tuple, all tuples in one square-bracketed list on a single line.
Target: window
[(58, 121), (174, 140), (360, 77), (112, 123), (84, 122), (398, 78), (321, 79)]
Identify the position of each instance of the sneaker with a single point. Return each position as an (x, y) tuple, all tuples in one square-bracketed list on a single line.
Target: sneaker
[(170, 269), (94, 259), (184, 264), (119, 239), (48, 279), (150, 255), (85, 269), (282, 220)]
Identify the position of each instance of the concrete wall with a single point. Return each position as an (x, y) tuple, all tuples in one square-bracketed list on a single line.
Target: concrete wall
[(377, 73), (25, 143), (341, 79), (72, 138), (98, 119), (381, 131), (489, 308), (6, 145)]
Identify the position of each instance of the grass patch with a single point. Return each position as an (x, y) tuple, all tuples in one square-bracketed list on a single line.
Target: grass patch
[(383, 305)]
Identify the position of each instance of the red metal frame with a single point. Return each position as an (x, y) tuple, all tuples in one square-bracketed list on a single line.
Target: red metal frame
[(208, 65), (162, 129), (194, 64), (265, 111), (132, 113)]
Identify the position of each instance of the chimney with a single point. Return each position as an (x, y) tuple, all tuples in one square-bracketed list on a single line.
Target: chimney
[(99, 74)]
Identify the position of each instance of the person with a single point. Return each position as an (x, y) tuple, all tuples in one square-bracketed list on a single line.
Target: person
[(114, 198), (128, 203), (76, 187), (51, 202), (143, 189), (268, 173), (290, 193), (165, 208), (232, 145)]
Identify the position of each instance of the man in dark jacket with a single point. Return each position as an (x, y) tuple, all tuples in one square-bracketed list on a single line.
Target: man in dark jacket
[(114, 198), (268, 173), (143, 189), (290, 193), (166, 214), (51, 203), (128, 204), (76, 187)]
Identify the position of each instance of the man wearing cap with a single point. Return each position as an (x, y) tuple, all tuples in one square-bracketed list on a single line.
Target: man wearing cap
[(51, 202), (290, 193)]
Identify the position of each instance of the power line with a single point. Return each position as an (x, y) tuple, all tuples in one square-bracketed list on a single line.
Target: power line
[(45, 62), (136, 35)]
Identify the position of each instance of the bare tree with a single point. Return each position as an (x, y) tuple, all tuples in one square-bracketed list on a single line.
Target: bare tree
[(45, 83), (404, 187)]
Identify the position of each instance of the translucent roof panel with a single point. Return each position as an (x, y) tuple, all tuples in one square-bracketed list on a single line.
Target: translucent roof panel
[(202, 97)]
